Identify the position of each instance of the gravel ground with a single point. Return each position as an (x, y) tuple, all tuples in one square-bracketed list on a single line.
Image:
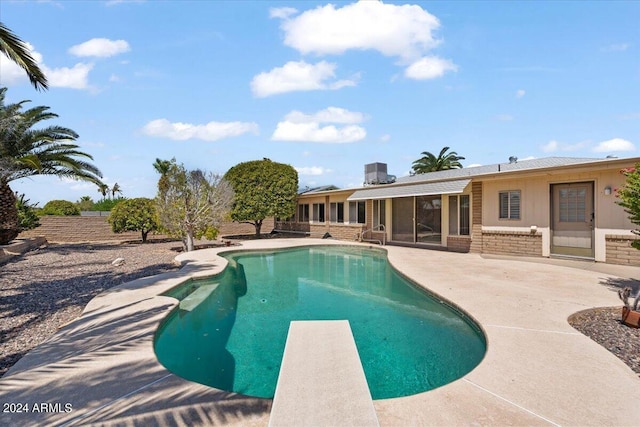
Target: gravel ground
[(603, 325), (48, 288)]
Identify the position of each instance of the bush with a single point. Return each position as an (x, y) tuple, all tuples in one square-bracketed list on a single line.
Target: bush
[(60, 207), (27, 216), (107, 204), (134, 215), (85, 203)]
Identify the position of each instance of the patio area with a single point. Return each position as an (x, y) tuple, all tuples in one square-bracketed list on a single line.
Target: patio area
[(538, 370)]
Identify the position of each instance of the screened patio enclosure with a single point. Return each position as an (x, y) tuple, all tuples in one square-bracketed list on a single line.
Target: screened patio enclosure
[(417, 210)]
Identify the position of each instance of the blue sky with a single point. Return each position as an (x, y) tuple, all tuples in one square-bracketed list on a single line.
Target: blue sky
[(327, 87)]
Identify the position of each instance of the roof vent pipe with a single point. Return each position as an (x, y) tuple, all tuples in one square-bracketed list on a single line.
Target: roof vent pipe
[(513, 159)]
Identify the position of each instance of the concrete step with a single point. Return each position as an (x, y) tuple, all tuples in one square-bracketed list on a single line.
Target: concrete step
[(321, 380)]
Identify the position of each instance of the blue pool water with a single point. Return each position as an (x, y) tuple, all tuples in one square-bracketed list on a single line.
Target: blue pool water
[(229, 331)]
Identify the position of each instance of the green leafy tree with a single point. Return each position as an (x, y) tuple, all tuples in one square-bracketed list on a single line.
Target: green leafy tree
[(629, 196), (430, 163), (135, 215), (105, 205), (263, 188), (27, 217), (60, 208), (18, 52), (193, 204), (85, 203), (26, 151)]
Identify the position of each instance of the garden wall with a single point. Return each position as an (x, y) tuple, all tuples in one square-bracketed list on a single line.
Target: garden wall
[(68, 229)]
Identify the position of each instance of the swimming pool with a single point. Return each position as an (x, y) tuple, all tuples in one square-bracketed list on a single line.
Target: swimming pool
[(229, 331)]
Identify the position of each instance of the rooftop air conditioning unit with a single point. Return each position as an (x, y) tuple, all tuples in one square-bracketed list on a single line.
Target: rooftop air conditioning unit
[(376, 173)]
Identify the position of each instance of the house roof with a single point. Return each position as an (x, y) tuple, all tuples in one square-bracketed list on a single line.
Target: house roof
[(424, 189), (521, 165), (465, 174)]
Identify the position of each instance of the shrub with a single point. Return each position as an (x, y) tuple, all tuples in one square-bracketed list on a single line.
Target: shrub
[(107, 204), (85, 203), (134, 215), (60, 207), (27, 217)]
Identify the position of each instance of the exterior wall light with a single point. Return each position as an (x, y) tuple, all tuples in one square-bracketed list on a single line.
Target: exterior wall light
[(607, 191)]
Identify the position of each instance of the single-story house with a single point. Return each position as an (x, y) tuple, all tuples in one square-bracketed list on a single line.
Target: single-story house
[(555, 206)]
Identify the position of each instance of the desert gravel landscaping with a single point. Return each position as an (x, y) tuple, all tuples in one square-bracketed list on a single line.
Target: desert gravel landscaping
[(47, 288)]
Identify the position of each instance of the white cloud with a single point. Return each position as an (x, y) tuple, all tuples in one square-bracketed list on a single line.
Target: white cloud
[(76, 77), (312, 170), (615, 144), (282, 12), (100, 47), (298, 126), (113, 78), (117, 2), (504, 117), (553, 146), (328, 115), (298, 76), (386, 137), (211, 131), (550, 146), (313, 132), (429, 68), (403, 31), (618, 47), (10, 73), (474, 165), (520, 93)]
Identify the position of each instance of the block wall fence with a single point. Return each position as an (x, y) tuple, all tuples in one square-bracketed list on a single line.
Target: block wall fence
[(71, 229)]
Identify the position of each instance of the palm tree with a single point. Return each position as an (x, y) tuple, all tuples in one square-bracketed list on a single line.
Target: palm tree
[(115, 189), (430, 163), (17, 51), (25, 151), (103, 189), (163, 167)]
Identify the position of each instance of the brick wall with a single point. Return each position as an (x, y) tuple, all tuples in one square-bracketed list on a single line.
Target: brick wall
[(58, 229), (620, 251), (459, 243), (511, 243), (476, 218)]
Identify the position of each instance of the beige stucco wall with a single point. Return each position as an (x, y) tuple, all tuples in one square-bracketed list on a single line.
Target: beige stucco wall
[(535, 199), (610, 218)]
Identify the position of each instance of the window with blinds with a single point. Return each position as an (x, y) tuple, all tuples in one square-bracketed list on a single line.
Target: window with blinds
[(509, 204), (573, 203)]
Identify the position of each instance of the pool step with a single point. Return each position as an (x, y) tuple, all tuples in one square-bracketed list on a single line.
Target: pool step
[(321, 380)]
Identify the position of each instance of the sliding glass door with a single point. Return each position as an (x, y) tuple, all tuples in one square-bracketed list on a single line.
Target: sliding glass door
[(402, 223), (417, 219)]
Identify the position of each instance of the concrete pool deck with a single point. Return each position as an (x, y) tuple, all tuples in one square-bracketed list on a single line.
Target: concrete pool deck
[(538, 370)]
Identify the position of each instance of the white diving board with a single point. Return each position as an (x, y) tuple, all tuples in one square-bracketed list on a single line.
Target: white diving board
[(321, 380)]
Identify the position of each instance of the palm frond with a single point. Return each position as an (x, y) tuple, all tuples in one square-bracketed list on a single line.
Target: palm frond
[(17, 51)]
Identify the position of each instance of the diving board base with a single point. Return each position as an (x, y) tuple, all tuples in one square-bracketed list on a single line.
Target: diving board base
[(321, 380)]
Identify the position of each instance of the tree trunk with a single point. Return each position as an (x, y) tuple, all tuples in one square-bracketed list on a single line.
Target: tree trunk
[(189, 241), (258, 225), (8, 214), (144, 236)]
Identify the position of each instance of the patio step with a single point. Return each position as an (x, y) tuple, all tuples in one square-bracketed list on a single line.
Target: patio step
[(321, 380)]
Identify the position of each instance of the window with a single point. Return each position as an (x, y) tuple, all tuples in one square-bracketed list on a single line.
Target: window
[(509, 204), (465, 215), (336, 212), (379, 215), (573, 203), (303, 213), (318, 212), (357, 212)]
